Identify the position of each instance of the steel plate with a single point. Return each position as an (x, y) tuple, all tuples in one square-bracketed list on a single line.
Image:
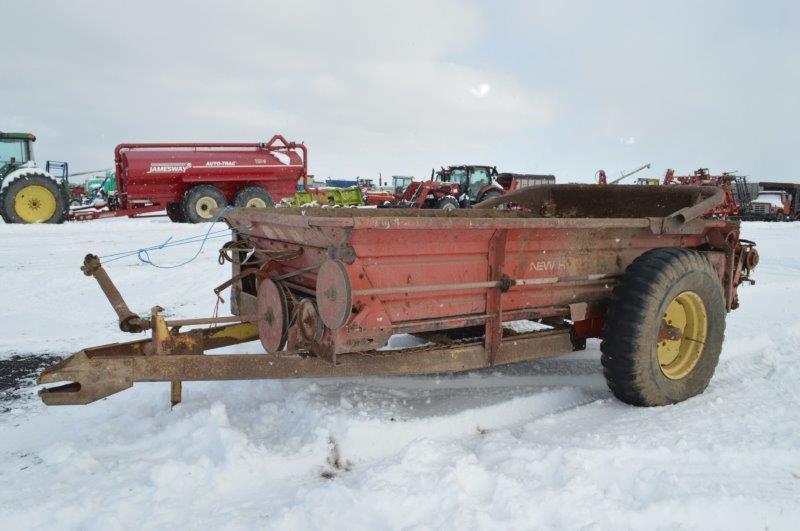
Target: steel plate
[(334, 296), (274, 310)]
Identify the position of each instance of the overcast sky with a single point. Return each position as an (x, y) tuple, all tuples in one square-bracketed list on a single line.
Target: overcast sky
[(398, 87)]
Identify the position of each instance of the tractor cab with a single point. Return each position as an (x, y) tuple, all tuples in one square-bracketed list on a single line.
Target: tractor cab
[(472, 181), (16, 150)]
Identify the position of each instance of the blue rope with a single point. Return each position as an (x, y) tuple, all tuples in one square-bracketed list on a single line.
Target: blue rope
[(169, 242), (143, 254)]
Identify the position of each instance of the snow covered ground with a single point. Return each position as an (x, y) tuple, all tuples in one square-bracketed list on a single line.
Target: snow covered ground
[(538, 445)]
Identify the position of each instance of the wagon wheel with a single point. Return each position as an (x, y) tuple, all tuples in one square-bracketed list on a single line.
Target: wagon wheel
[(664, 328), (200, 203), (253, 197), (174, 212)]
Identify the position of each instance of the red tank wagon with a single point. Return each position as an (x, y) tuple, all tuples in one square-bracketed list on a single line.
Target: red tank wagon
[(190, 181)]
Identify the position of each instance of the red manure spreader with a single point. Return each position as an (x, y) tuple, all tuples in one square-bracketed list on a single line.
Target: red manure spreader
[(324, 290), (191, 181)]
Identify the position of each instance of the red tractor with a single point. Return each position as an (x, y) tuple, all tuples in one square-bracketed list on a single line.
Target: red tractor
[(463, 186)]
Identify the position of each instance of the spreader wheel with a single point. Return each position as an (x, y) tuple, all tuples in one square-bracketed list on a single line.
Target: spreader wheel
[(34, 198), (274, 312), (201, 202), (253, 197), (664, 328)]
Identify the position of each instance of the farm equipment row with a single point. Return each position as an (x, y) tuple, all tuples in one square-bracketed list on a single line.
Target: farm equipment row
[(192, 181), (454, 187), (189, 181), (765, 201), (324, 290)]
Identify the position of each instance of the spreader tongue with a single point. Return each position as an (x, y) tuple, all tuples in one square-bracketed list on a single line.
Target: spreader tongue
[(91, 379)]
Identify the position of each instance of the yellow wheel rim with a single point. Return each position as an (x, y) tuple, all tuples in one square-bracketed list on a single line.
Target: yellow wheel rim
[(255, 202), (205, 207), (35, 204), (682, 335)]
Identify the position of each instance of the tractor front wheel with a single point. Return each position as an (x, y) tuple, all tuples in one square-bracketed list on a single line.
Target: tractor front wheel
[(34, 198), (663, 328), (200, 203), (447, 203)]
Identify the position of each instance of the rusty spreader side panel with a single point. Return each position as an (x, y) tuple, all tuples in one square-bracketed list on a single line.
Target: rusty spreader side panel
[(416, 271)]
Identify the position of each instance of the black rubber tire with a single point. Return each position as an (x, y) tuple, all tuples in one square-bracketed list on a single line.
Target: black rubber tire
[(780, 217), (193, 196), (252, 192), (633, 320), (174, 212), (7, 211), (491, 194), (447, 203)]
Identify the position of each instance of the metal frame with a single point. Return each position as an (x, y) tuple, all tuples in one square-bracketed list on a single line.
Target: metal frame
[(175, 357), (496, 282)]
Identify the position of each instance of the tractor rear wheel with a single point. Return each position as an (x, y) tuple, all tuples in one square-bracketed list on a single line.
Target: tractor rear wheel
[(447, 203), (663, 328), (34, 198), (491, 194), (200, 203), (253, 197)]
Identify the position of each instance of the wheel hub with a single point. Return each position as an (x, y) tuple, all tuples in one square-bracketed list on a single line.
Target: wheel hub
[(682, 335), (205, 207), (35, 204), (255, 202)]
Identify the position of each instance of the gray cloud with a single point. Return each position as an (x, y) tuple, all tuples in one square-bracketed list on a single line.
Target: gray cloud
[(397, 87)]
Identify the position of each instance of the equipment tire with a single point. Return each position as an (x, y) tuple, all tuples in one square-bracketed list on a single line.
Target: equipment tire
[(780, 217), (198, 203), (491, 194), (253, 197), (34, 198), (447, 203), (666, 286), (174, 213)]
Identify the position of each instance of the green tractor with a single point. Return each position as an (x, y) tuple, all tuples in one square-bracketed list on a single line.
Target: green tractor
[(28, 194)]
